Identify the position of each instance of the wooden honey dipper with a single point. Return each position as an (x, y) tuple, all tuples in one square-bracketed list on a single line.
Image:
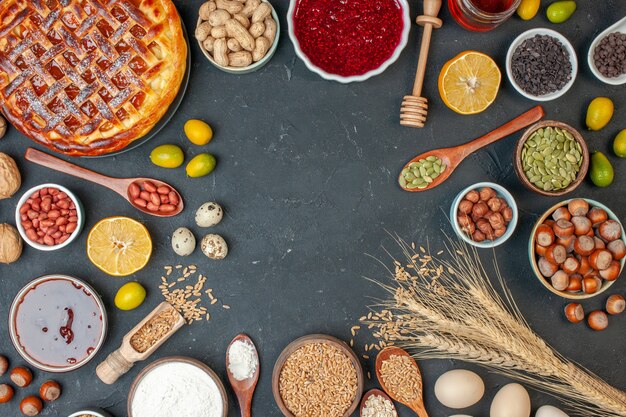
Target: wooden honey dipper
[(414, 108)]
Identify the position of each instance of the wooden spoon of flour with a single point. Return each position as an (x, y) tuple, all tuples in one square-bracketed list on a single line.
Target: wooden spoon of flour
[(243, 389)]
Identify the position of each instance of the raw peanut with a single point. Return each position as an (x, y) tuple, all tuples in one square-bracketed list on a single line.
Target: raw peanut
[(57, 235), (152, 207), (208, 43), (144, 195), (231, 6), (154, 198), (245, 22), (261, 12), (219, 32), (167, 208), (48, 240), (35, 204), (52, 191), (237, 31), (233, 45), (218, 17), (24, 209), (64, 204), (134, 190), (239, 59), (164, 199), (163, 189), (70, 227), (47, 223), (61, 221), (62, 195), (270, 29), (173, 198), (257, 29), (261, 48), (63, 238), (220, 50), (54, 214), (149, 186), (250, 7), (202, 31), (207, 8), (31, 234), (27, 224), (73, 219), (140, 202), (32, 214)]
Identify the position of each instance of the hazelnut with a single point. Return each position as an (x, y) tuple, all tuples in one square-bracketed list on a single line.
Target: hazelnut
[(10, 178), (4, 365), (472, 196), (598, 320), (560, 280), (6, 393), (10, 244), (617, 248), (495, 204), (597, 215), (612, 272), (575, 283), (574, 312), (469, 229), (480, 209), (31, 406), (496, 220), (499, 232), (478, 236), (578, 207), (484, 226), (487, 193), (544, 235), (615, 304), (22, 377), (465, 206), (463, 220), (50, 391), (561, 213), (610, 230)]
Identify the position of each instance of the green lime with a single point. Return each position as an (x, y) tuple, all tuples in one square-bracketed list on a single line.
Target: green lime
[(601, 171), (201, 165), (167, 156), (619, 144), (560, 11)]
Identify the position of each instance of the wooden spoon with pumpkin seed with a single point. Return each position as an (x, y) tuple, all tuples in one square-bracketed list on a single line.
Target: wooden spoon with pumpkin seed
[(432, 168)]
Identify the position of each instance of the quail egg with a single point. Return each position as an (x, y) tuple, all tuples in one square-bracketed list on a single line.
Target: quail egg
[(209, 214), (214, 246), (183, 241)]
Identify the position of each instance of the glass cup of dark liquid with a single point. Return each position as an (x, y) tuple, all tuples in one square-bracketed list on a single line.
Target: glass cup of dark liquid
[(482, 15)]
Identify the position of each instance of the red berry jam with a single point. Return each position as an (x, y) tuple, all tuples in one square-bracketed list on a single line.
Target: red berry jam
[(348, 37)]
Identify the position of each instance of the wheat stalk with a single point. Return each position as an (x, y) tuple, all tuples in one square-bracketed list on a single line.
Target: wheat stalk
[(448, 308)]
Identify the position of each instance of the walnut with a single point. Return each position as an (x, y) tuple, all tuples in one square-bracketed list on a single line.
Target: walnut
[(10, 244), (3, 126), (10, 178)]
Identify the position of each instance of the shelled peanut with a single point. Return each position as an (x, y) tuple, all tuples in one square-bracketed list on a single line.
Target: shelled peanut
[(483, 215), (236, 33), (579, 248)]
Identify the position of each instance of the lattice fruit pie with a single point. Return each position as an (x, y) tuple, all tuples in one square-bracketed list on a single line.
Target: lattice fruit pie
[(88, 77)]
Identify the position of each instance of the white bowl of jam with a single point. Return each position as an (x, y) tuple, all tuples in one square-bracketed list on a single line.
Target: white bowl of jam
[(348, 41), (57, 323)]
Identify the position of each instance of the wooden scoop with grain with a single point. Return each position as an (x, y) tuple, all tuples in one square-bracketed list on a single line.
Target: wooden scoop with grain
[(141, 342)]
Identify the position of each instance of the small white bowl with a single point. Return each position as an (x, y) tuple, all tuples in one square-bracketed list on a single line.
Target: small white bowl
[(502, 193), (255, 65), (96, 412), (79, 213), (570, 50), (406, 18), (620, 26)]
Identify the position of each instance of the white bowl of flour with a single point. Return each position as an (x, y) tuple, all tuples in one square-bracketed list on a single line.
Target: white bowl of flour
[(177, 387)]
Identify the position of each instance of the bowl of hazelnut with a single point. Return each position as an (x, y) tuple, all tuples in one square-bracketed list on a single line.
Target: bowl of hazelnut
[(484, 215), (577, 248)]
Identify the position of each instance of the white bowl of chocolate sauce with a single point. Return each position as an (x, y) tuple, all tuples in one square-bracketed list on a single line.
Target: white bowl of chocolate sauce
[(57, 323)]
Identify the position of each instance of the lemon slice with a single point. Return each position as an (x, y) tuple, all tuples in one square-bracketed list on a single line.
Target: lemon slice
[(469, 82), (119, 246)]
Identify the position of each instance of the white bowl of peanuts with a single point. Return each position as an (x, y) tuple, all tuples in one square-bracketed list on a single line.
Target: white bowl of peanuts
[(49, 217), (238, 36)]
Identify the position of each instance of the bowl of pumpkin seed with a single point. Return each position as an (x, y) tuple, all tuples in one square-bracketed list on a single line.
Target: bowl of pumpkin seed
[(551, 158)]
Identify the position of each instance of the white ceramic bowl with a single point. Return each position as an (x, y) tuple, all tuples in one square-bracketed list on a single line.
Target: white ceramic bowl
[(620, 26), (13, 331), (570, 50), (355, 78), (96, 412), (255, 65), (502, 193), (79, 212)]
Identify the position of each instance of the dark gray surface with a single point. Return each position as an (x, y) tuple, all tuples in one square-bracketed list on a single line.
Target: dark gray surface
[(307, 174)]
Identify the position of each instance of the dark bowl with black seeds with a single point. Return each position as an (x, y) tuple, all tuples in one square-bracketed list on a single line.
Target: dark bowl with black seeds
[(541, 64)]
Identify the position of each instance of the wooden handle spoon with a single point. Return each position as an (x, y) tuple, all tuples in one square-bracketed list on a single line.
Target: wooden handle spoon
[(376, 392), (119, 185), (244, 390), (452, 157), (417, 404)]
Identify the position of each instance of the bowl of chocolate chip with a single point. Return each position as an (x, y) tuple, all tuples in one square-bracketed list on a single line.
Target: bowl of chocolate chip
[(484, 215)]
